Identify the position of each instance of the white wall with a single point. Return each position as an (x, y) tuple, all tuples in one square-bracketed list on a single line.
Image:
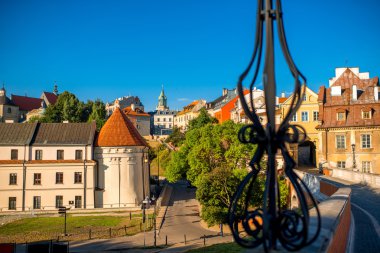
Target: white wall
[(121, 173), (48, 188)]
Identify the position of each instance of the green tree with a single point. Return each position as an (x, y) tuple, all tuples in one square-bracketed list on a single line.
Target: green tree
[(203, 119), (67, 107), (176, 137), (98, 113)]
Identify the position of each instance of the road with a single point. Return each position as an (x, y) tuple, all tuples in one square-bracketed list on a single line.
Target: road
[(181, 219)]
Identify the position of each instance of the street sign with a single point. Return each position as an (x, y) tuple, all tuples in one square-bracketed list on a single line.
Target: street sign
[(62, 210)]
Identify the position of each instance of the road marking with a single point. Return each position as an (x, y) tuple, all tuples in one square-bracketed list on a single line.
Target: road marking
[(373, 220)]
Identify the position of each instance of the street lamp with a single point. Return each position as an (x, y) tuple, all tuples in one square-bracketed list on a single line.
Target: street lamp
[(353, 157), (154, 220)]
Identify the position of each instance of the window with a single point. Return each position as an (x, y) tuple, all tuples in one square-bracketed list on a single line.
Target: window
[(315, 116), (58, 201), (366, 166), (340, 116), (78, 201), (366, 140), (340, 141), (37, 178), (305, 116), (170, 119), (294, 118), (60, 155), (37, 202), (9, 110), (59, 178), (78, 154), (341, 164), (158, 119), (170, 125), (164, 119), (12, 203), (366, 115), (304, 97), (38, 154), (13, 178), (78, 177), (14, 154)]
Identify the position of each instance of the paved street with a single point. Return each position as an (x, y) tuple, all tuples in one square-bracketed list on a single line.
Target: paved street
[(365, 207), (182, 219)]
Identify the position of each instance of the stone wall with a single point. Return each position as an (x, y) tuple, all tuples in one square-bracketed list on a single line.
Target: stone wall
[(357, 177)]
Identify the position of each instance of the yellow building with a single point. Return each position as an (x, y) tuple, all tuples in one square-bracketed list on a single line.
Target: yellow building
[(307, 117)]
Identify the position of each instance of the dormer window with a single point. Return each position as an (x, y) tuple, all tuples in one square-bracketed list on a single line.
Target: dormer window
[(366, 113), (340, 116)]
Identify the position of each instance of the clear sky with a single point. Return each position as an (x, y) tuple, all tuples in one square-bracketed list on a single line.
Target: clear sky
[(108, 49)]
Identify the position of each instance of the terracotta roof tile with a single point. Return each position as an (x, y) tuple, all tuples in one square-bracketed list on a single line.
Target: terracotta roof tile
[(51, 97), (26, 103), (128, 111), (282, 100), (119, 131)]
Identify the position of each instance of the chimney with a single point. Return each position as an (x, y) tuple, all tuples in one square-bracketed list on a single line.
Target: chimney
[(354, 92), (282, 94), (224, 92), (376, 93)]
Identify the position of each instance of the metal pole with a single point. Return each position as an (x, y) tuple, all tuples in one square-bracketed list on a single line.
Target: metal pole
[(155, 233), (65, 224)]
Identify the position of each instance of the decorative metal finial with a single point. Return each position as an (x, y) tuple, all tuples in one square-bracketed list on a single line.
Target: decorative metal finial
[(269, 224)]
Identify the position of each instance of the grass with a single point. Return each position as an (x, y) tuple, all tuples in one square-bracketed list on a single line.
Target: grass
[(219, 248), (78, 228)]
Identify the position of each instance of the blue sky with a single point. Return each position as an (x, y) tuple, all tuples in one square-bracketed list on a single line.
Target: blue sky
[(107, 49)]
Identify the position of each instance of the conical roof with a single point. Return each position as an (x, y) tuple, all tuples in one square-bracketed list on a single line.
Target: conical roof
[(119, 131)]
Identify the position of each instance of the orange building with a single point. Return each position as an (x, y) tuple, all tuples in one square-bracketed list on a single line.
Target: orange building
[(224, 113)]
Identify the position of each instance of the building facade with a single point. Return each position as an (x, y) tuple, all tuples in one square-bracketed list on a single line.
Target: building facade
[(307, 117), (47, 165), (122, 103), (163, 118), (139, 118), (188, 113), (349, 117), (9, 112)]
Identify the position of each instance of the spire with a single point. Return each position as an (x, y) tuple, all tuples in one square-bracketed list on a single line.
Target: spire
[(55, 91), (162, 100)]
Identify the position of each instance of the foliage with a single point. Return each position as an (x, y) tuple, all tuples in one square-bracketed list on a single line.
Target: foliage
[(98, 113), (68, 107), (203, 119), (215, 191), (176, 137), (159, 155)]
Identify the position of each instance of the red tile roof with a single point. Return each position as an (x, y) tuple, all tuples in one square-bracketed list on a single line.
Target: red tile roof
[(137, 112), (51, 97), (282, 100), (119, 131), (26, 103)]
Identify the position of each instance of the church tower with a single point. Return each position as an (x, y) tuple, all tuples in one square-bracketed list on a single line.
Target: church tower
[(162, 101)]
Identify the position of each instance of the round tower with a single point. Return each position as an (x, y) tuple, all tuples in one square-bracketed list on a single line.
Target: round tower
[(123, 172)]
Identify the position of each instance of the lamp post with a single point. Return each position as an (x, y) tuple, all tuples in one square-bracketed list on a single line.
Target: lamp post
[(154, 221), (158, 172), (353, 157)]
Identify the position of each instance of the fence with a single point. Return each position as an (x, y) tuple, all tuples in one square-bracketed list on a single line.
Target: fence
[(81, 233)]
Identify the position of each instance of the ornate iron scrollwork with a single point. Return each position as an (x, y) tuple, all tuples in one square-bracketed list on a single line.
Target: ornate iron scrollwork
[(268, 224)]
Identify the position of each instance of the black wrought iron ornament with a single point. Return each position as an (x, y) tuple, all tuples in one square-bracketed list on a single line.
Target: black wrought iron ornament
[(269, 224)]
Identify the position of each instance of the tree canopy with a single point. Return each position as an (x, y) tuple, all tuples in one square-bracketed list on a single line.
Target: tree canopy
[(68, 107)]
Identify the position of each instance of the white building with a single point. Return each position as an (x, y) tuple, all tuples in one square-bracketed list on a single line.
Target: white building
[(163, 117), (47, 165)]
